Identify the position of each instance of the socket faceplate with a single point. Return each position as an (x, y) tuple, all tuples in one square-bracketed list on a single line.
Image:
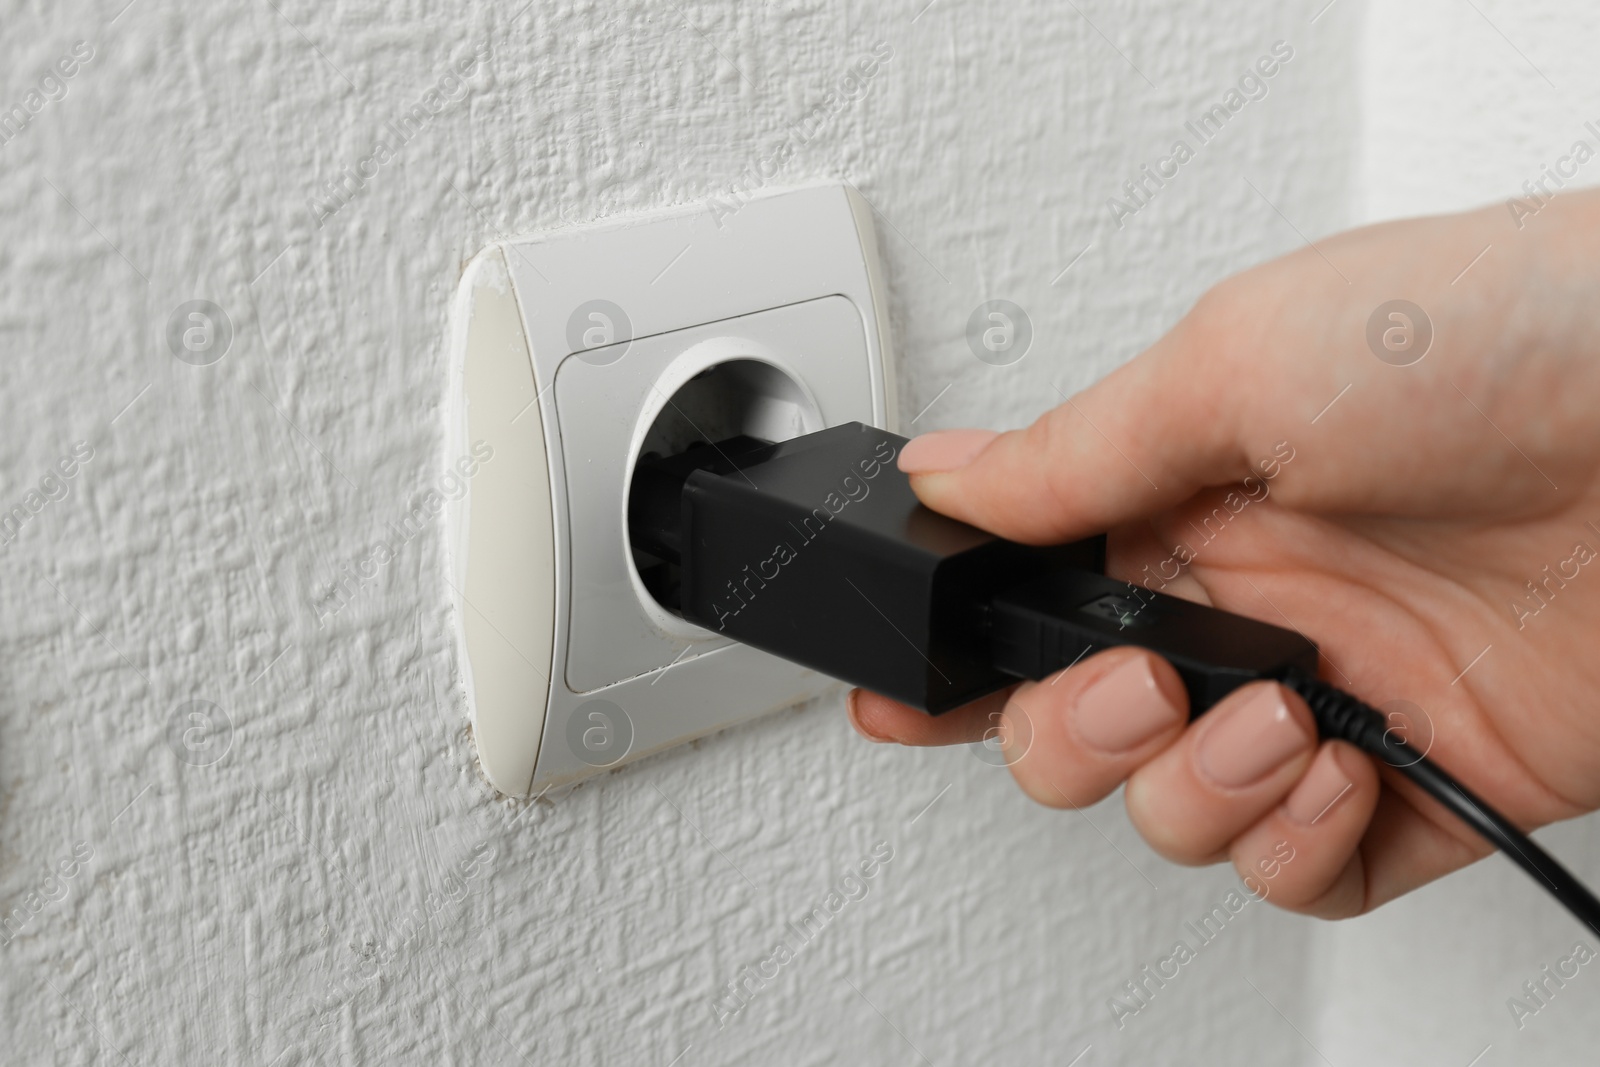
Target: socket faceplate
[(566, 347)]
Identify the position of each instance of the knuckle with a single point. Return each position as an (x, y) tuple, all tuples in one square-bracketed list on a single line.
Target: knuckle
[(1184, 851), (1223, 313), (1058, 791), (1169, 839), (1300, 876), (1049, 441), (1338, 901)]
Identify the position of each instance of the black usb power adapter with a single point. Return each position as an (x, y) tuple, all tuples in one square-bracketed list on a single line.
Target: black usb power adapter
[(817, 550)]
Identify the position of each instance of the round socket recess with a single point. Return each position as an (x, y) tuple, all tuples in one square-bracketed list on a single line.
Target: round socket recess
[(572, 354), (607, 410), (720, 388)]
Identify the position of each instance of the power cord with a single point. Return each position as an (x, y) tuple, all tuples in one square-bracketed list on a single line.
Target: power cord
[(1343, 717)]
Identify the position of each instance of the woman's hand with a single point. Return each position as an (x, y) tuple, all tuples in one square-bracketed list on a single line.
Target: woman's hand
[(1433, 525)]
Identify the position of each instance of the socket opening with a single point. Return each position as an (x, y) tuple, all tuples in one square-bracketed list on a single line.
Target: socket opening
[(736, 396)]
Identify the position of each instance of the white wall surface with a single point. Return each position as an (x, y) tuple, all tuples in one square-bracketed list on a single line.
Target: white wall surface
[(256, 910), (1463, 103)]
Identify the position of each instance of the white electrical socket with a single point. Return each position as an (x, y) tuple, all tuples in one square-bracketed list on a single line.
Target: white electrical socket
[(574, 352)]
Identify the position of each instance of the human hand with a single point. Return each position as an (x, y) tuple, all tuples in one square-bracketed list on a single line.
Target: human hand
[(1429, 524)]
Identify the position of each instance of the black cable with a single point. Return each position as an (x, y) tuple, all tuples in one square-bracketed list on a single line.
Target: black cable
[(1343, 717)]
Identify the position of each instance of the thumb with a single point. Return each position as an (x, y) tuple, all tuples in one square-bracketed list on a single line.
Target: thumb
[(1144, 439)]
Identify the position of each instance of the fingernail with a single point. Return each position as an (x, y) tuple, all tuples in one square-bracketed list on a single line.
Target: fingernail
[(1251, 740), (943, 450), (852, 710), (1324, 785), (1124, 709)]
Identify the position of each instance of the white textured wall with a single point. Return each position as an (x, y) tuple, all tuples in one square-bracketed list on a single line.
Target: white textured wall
[(256, 910), (1463, 103)]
